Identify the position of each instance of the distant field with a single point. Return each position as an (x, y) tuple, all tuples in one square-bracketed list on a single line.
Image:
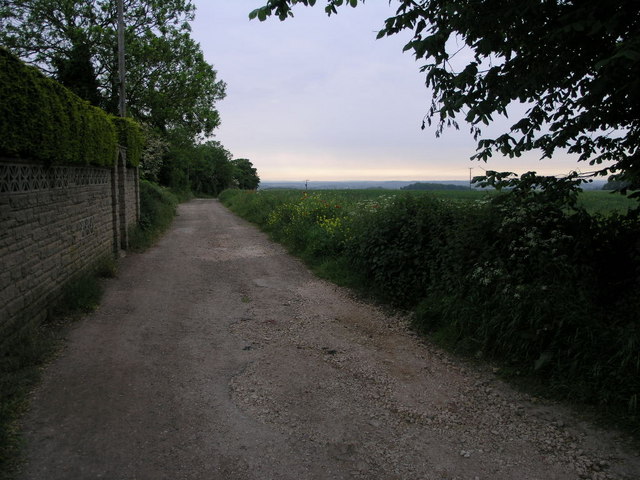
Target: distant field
[(595, 201), (602, 201)]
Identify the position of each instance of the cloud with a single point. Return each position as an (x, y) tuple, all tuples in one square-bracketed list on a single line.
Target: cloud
[(318, 97)]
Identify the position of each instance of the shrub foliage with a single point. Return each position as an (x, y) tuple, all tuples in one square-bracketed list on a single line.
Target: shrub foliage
[(157, 210), (130, 137)]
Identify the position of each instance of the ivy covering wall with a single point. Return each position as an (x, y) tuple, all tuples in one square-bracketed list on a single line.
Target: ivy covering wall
[(42, 120), (129, 135)]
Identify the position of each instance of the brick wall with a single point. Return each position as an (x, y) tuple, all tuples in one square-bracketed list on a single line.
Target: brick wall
[(55, 223)]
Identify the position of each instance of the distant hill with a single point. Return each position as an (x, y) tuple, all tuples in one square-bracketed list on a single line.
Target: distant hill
[(615, 184), (352, 184), (434, 186), (384, 185)]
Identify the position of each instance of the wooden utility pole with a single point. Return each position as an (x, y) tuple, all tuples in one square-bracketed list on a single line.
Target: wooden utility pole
[(122, 106)]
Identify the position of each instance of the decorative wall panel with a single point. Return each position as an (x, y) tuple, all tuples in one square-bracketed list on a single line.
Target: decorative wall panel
[(16, 178), (55, 223)]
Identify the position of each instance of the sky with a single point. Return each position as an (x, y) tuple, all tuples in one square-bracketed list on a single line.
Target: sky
[(319, 98)]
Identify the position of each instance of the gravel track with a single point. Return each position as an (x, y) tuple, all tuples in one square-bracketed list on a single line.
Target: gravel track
[(216, 355)]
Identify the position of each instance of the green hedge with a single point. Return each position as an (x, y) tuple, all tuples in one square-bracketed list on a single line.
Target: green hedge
[(42, 120), (157, 209), (129, 136)]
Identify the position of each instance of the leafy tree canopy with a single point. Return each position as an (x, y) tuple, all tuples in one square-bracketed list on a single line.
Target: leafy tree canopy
[(169, 84), (216, 166), (245, 174), (206, 168), (575, 64)]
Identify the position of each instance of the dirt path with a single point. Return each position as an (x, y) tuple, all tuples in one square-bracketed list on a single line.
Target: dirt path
[(215, 355)]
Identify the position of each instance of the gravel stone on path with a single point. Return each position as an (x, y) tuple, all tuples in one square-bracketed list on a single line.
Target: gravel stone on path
[(215, 355)]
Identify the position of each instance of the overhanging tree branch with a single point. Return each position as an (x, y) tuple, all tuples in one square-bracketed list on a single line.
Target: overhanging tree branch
[(577, 63)]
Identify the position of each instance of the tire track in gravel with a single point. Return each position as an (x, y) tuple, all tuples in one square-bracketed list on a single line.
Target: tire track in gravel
[(215, 355)]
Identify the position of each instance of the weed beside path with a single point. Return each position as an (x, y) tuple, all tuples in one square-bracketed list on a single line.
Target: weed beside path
[(34, 344), (31, 347)]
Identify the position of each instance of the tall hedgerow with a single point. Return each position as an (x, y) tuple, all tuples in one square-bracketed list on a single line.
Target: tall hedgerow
[(42, 120), (129, 135)]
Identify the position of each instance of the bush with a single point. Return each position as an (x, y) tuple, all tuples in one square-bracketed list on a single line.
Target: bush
[(308, 225), (157, 209), (130, 137), (401, 248), (30, 345)]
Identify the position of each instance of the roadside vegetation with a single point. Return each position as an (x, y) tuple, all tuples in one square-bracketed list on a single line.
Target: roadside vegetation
[(34, 344), (157, 209), (539, 278)]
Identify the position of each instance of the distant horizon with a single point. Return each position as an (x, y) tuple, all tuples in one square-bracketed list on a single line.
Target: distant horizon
[(363, 180), (385, 184), (463, 180), (319, 97)]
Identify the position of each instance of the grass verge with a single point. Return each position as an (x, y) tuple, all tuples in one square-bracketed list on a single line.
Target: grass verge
[(157, 209), (28, 348)]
